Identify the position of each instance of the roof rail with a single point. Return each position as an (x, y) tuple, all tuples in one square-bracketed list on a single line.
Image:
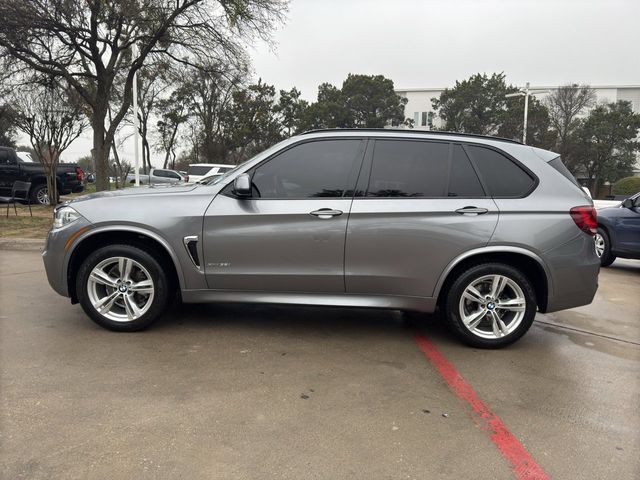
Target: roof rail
[(406, 130)]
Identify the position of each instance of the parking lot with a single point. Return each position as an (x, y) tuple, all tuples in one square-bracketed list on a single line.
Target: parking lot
[(257, 392)]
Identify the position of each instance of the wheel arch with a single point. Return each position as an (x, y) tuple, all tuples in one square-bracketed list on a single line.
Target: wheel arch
[(524, 260), (128, 235)]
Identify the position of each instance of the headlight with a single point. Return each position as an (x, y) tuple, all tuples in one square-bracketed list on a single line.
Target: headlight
[(64, 216)]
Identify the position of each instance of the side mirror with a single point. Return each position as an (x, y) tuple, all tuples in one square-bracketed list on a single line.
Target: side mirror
[(242, 185), (628, 203)]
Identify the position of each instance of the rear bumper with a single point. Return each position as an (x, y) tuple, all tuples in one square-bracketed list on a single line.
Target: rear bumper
[(574, 269)]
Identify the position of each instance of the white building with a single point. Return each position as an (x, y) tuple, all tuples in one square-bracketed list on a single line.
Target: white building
[(420, 110)]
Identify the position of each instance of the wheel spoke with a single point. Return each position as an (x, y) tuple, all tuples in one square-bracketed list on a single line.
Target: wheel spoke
[(105, 303), (124, 265), (103, 278), (472, 320), (471, 293), (497, 285), (495, 324), (132, 309), (513, 305), (144, 286)]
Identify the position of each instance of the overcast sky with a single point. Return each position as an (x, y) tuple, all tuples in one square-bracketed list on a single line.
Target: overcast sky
[(433, 43)]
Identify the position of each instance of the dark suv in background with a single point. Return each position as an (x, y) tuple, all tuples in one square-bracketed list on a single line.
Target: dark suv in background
[(489, 230)]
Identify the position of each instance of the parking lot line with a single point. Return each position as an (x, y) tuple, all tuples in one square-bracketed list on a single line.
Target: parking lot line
[(523, 465)]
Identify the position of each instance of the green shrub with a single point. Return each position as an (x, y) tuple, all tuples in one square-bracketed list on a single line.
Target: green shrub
[(627, 186)]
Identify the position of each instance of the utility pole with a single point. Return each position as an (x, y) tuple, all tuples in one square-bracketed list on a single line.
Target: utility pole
[(525, 93)]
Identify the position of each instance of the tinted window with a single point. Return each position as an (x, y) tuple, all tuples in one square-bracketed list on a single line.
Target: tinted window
[(403, 168), (159, 173), (312, 169), (559, 166), (500, 175), (463, 181), (4, 157)]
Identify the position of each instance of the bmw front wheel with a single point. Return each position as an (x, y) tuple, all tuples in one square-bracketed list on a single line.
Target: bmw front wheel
[(122, 288)]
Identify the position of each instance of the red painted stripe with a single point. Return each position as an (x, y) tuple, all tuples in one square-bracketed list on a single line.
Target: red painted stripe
[(522, 464)]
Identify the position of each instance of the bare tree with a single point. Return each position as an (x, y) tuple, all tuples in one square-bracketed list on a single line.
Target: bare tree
[(90, 44), (565, 106), (52, 116)]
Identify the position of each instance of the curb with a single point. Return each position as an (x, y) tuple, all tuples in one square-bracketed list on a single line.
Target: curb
[(22, 244)]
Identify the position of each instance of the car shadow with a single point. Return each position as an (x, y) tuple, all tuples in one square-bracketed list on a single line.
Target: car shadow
[(302, 320)]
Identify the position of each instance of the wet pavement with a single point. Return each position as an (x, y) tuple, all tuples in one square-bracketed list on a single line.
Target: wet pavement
[(259, 392)]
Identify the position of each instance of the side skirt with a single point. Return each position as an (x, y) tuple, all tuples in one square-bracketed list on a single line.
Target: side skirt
[(422, 304)]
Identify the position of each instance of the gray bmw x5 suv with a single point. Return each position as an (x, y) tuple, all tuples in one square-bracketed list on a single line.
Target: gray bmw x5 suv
[(488, 230)]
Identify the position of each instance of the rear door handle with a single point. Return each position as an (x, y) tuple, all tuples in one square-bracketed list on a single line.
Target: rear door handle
[(471, 211), (326, 213)]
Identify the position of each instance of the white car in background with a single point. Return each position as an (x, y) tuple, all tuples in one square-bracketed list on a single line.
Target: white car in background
[(158, 175), (198, 171), (602, 203)]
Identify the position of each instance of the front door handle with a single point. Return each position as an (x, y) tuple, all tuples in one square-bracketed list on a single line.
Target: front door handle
[(471, 211), (326, 213)]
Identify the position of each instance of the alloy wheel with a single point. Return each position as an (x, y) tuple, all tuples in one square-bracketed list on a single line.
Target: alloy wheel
[(599, 244), (120, 289), (492, 306)]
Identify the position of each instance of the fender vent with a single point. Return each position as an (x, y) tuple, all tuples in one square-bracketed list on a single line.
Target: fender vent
[(191, 244)]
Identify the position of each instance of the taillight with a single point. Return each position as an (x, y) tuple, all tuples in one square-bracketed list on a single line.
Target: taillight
[(79, 174), (585, 218)]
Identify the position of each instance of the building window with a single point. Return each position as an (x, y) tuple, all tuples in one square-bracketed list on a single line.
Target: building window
[(416, 119), (423, 123)]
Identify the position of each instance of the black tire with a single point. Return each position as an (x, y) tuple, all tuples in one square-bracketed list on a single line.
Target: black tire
[(607, 257), (161, 285), (37, 194), (474, 273)]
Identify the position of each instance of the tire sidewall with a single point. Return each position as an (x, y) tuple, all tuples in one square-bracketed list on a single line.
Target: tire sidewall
[(468, 276), (34, 194), (607, 258), (154, 268)]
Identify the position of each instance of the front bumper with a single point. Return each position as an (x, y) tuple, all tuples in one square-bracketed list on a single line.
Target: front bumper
[(57, 253)]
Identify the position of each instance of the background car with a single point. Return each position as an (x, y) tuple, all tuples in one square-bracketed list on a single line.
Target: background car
[(197, 171), (159, 175), (20, 166), (618, 232)]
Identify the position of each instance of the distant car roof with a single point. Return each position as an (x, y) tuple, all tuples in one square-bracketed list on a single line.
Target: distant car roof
[(224, 165)]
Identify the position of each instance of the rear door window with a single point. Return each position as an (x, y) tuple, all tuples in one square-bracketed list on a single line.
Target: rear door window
[(463, 180), (406, 168), (502, 177)]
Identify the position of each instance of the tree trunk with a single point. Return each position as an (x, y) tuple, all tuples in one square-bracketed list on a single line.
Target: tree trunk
[(100, 151), (52, 184)]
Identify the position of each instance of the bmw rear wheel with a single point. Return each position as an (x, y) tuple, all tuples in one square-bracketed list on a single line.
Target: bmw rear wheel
[(491, 305)]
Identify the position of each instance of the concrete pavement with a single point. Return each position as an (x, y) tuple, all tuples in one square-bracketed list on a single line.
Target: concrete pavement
[(257, 392)]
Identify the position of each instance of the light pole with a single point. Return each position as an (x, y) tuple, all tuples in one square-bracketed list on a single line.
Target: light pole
[(525, 92), (136, 126)]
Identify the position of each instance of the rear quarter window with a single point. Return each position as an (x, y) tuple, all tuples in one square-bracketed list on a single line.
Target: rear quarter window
[(500, 175), (557, 164)]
